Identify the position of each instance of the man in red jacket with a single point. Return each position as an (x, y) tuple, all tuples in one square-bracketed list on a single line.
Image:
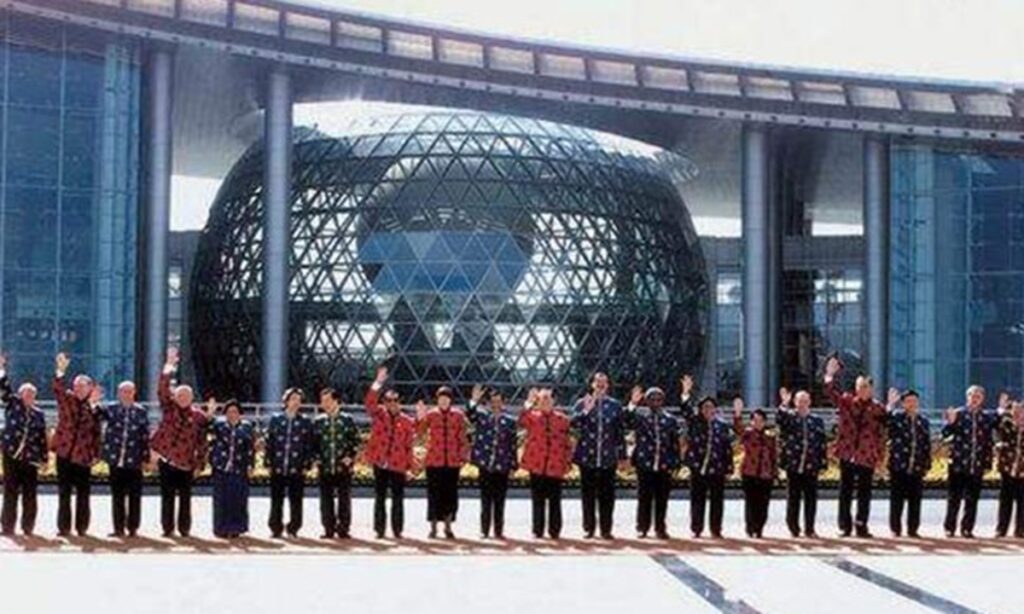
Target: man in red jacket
[(76, 442), (445, 427), (859, 446), (547, 455), (389, 451), (179, 446)]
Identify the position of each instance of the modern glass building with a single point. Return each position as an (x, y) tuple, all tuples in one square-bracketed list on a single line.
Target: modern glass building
[(457, 248), (868, 216), (69, 166)]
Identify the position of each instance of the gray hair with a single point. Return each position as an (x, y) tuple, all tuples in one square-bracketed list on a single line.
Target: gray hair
[(126, 384), (28, 386), (81, 377), (182, 388), (975, 388)]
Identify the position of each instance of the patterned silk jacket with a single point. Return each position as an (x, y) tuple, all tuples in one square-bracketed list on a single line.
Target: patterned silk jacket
[(804, 442), (971, 439), (910, 444), (337, 438), (180, 438), (447, 443), (289, 444), (126, 437), (708, 445), (494, 439), (658, 436), (861, 437), (760, 451), (548, 447), (391, 436), (24, 427), (233, 448), (600, 433), (1010, 447), (77, 437)]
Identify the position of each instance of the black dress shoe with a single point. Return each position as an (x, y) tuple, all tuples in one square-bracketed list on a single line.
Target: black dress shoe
[(716, 535), (950, 534), (811, 535), (588, 535), (116, 535), (344, 536), (913, 535), (844, 533), (380, 534), (432, 534), (449, 534), (276, 535), (607, 536), (967, 534), (663, 535), (499, 535), (864, 534), (327, 536)]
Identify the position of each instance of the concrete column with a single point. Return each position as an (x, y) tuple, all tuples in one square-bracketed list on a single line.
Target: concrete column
[(756, 261), (159, 72), (876, 257), (277, 168), (776, 204)]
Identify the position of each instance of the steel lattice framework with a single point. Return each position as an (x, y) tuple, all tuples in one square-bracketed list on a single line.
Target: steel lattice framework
[(458, 248)]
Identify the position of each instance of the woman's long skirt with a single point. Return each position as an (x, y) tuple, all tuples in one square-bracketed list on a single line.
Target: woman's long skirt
[(230, 503)]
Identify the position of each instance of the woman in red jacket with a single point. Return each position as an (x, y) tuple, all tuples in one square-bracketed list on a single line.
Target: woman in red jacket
[(760, 462), (547, 455), (389, 451), (445, 428)]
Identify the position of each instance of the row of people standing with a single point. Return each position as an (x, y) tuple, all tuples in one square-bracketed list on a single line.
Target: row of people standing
[(697, 438)]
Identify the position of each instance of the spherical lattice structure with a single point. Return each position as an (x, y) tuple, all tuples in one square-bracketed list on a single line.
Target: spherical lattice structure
[(457, 248)]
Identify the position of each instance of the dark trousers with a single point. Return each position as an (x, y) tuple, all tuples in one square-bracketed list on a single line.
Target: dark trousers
[(493, 488), (291, 486), (383, 482), (963, 488), (854, 478), (72, 476), (230, 503), (597, 492), (336, 502), (126, 499), (442, 493), (801, 488), (175, 484), (652, 493), (706, 491), (757, 496), (1011, 495), (546, 500), (20, 480), (904, 490)]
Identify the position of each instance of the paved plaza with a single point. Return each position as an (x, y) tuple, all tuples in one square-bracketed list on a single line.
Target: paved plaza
[(416, 574)]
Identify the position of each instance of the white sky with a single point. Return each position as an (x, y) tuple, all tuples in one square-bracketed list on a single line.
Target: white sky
[(975, 40)]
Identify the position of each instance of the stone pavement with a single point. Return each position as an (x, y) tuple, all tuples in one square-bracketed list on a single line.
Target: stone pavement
[(736, 574)]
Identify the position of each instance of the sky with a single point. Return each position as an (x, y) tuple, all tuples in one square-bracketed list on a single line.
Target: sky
[(963, 40)]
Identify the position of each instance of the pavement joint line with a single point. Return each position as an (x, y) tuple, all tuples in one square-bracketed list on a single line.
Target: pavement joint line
[(918, 595), (711, 591)]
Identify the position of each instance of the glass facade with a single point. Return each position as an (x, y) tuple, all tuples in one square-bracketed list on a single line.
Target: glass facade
[(957, 283), (69, 106), (821, 316), (457, 248)]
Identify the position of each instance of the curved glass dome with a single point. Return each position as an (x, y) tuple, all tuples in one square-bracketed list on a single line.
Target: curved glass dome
[(458, 248)]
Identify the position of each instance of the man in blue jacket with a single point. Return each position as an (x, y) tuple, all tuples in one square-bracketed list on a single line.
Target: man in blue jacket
[(600, 447), (24, 451), (494, 454), (125, 449), (656, 457), (910, 458)]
